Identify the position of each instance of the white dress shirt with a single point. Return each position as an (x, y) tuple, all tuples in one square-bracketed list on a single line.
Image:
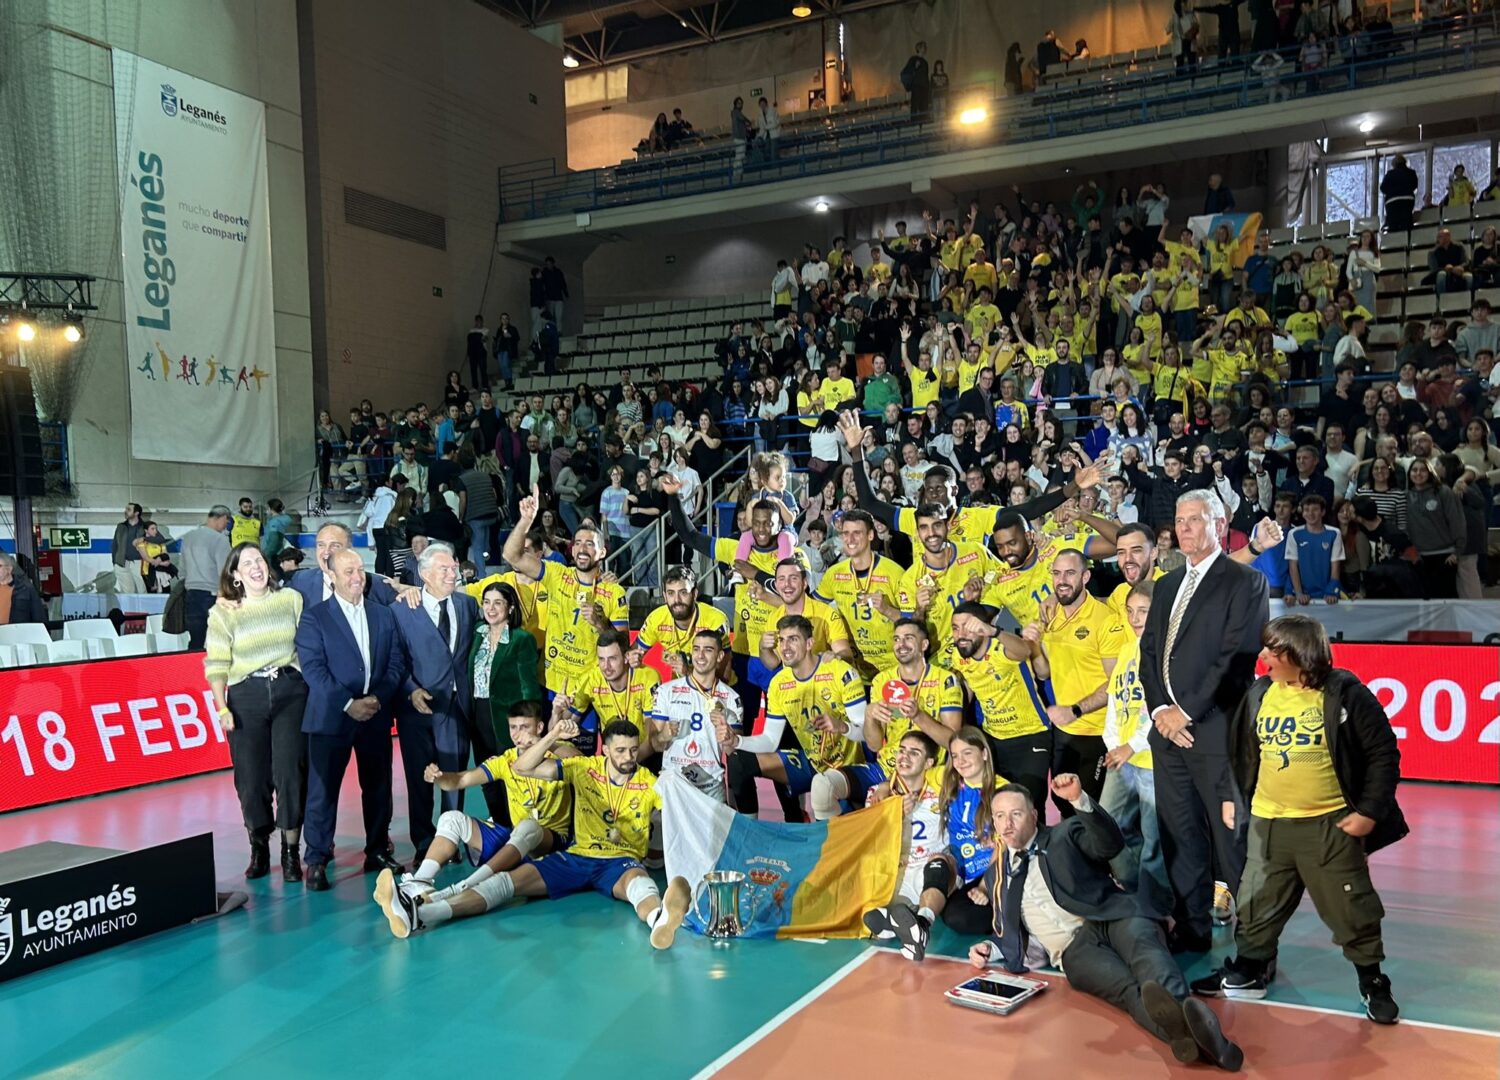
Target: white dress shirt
[(359, 625), (1048, 923), (431, 605), (1197, 571)]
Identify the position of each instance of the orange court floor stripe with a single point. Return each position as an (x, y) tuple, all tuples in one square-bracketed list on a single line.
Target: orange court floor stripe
[(887, 1017)]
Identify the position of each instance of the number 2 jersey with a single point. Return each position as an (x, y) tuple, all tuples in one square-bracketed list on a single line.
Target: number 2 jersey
[(695, 754)]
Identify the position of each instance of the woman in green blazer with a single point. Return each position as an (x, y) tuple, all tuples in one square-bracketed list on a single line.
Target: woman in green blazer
[(503, 666)]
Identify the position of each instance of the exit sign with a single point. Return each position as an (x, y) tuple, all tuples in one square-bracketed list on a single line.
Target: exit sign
[(75, 539)]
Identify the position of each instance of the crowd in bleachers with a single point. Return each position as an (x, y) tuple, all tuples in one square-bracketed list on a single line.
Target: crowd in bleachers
[(1100, 327)]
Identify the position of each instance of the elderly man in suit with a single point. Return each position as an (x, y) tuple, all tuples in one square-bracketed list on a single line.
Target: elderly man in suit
[(354, 663), (1197, 660), (432, 716), (1056, 903)]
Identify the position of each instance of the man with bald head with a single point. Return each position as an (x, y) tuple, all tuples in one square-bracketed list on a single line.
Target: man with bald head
[(354, 663)]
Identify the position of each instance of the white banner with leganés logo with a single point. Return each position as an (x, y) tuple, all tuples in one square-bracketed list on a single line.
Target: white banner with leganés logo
[(195, 228)]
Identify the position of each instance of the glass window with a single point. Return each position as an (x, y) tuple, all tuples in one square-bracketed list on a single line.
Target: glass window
[(1346, 190), (1417, 159), (1473, 156)]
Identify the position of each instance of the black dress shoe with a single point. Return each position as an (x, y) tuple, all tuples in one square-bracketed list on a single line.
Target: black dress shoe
[(1166, 1012), (317, 878), (1210, 1037), (291, 862), (376, 863)]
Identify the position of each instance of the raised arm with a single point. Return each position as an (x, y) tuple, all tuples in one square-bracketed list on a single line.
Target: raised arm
[(515, 551), (854, 433), (690, 537)]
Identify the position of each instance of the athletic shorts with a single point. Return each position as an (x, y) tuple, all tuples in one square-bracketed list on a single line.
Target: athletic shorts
[(799, 771), (567, 873), (492, 838), (862, 779)]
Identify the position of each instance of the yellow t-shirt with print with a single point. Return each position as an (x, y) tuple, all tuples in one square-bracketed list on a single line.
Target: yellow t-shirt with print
[(831, 690), (938, 693), (1127, 697), (870, 631), (828, 624), (834, 392), (1077, 646), (1296, 777), (750, 614), (925, 387), (1150, 327), (1007, 702), (591, 690), (549, 801), (982, 275), (600, 806), (571, 638), (965, 561)]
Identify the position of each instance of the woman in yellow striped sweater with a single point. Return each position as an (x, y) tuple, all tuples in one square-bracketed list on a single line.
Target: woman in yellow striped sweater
[(251, 665)]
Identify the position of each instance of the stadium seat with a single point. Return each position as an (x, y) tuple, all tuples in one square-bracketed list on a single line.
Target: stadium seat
[(99, 634), (62, 652), (25, 634), (131, 645)]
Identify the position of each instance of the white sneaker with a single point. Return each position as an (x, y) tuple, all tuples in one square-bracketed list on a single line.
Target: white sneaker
[(400, 909)]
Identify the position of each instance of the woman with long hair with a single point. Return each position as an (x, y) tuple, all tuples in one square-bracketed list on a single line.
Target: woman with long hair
[(1131, 430), (1362, 268), (706, 446), (1435, 523), (251, 667), (1357, 551), (403, 518), (964, 805), (503, 669)]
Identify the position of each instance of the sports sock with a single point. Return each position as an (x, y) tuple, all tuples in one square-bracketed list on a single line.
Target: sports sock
[(434, 912), (655, 917), (927, 915), (478, 877), (428, 871)]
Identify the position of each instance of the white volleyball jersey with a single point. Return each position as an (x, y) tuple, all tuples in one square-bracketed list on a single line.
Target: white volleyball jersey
[(695, 753)]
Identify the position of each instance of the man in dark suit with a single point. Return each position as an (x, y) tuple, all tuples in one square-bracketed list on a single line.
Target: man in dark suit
[(1197, 660), (432, 714), (316, 584), (354, 664), (1056, 903), (979, 400)]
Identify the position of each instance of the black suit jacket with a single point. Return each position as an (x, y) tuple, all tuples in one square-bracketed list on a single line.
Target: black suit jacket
[(1213, 661), (1073, 858)]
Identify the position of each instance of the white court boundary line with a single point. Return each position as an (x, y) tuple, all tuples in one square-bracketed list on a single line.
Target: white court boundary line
[(1273, 1004), (784, 1015)]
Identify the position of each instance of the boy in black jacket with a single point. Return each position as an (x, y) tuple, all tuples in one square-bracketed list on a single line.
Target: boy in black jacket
[(1314, 755)]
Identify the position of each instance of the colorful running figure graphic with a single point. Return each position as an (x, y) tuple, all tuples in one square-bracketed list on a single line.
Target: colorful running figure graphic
[(257, 374), (148, 367), (243, 380)]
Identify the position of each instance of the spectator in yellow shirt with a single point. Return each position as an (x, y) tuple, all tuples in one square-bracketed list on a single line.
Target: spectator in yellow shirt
[(981, 273), (983, 316), (836, 388)]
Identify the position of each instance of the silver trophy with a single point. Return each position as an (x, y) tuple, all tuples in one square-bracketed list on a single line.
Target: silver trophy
[(725, 893)]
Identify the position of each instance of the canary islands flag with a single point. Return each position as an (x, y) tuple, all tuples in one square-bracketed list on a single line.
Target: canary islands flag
[(800, 880), (1243, 229)]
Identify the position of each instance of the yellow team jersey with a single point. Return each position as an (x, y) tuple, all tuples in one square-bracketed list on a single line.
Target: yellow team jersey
[(591, 690), (1007, 702), (1305, 326), (1296, 778), (965, 561), (828, 624), (970, 525), (1077, 646), (1021, 591), (880, 273), (831, 690), (968, 374), (925, 387), (869, 630), (244, 530), (600, 807), (1172, 383), (937, 693), (749, 613), (1127, 698), (1225, 368), (982, 318), (549, 801), (1150, 328), (834, 392), (1121, 593), (660, 628), (571, 638)]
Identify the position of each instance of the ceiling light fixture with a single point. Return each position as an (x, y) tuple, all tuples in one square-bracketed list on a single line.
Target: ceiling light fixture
[(801, 10), (977, 115), (1366, 126), (821, 206), (569, 60)]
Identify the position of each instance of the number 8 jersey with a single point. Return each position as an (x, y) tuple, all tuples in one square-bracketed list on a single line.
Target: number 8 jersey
[(695, 754)]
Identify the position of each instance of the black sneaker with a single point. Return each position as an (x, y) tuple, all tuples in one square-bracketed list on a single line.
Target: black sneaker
[(878, 922), (1380, 1007), (1228, 982), (911, 930)]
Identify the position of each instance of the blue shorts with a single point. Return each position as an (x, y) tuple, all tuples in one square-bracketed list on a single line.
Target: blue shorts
[(799, 771), (492, 838), (862, 778), (566, 873)]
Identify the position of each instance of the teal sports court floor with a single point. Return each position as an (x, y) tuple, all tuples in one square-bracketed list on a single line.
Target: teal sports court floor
[(301, 984)]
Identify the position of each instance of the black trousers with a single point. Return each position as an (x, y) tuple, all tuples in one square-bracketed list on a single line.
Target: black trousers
[(268, 749), (486, 745), (383, 563), (442, 738), (1191, 786), (1081, 754), (199, 602), (1111, 960), (327, 761), (1024, 760), (964, 916), (479, 376)]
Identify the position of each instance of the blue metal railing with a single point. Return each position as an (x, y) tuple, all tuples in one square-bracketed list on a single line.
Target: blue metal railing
[(538, 189)]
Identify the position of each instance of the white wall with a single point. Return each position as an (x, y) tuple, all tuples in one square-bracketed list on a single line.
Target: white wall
[(249, 46), (420, 103)]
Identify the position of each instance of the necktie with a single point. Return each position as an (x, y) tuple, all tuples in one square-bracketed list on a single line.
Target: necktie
[(1012, 939), (445, 627), (1179, 611)]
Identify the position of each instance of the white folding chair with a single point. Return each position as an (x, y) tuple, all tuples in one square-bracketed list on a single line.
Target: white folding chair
[(98, 636), (132, 645), (61, 652)]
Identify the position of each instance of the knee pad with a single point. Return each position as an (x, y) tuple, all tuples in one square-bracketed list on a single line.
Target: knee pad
[(454, 825), (827, 789), (526, 836), (938, 875), (744, 767), (639, 888), (496, 890)]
